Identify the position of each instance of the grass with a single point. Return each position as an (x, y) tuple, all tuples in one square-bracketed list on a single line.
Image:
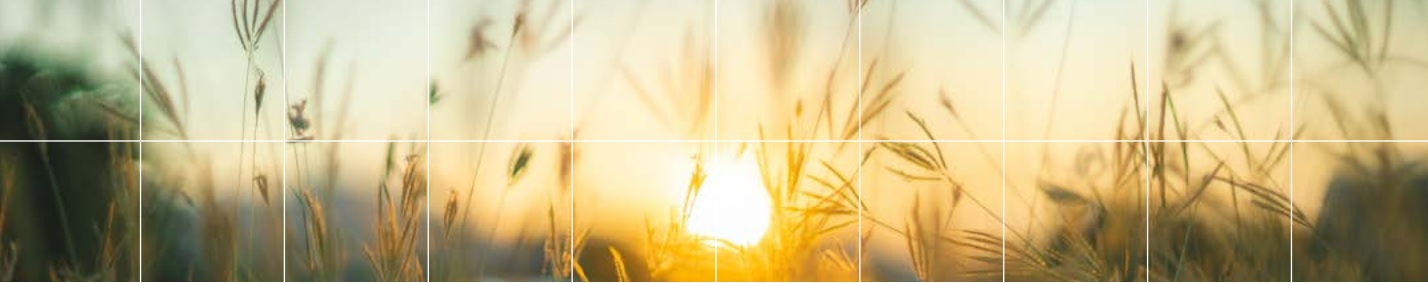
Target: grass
[(68, 210), (395, 254), (7, 250), (1163, 208)]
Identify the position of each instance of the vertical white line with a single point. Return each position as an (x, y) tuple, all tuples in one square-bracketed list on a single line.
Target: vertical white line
[(1145, 137), (570, 153), (141, 140), (715, 89), (286, 132), (429, 102), (858, 12), (1004, 140), (1291, 139), (714, 60)]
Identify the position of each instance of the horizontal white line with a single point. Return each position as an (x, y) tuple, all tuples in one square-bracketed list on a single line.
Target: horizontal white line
[(707, 141)]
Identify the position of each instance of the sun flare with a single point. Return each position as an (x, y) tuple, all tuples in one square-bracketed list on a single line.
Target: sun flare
[(732, 204)]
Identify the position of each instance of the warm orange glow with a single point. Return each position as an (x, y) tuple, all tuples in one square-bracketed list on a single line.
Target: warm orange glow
[(732, 204)]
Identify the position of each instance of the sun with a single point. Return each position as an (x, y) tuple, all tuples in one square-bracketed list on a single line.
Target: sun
[(732, 204)]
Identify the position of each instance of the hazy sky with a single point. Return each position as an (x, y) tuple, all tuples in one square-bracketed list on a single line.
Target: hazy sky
[(1060, 77)]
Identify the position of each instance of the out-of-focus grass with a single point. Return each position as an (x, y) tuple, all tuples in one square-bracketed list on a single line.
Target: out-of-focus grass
[(1162, 209)]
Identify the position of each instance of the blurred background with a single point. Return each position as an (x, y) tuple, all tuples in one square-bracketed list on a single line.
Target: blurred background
[(639, 140)]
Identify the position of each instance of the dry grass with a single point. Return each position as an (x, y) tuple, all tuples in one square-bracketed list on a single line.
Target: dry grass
[(815, 199), (1163, 211), (395, 254), (320, 255), (8, 250)]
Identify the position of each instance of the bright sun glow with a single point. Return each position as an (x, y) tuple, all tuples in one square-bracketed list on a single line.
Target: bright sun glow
[(732, 204)]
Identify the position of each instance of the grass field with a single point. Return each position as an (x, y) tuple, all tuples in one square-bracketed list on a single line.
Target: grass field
[(637, 140)]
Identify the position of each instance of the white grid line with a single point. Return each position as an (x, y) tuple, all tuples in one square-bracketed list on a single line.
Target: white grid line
[(858, 11), (570, 153), (287, 136), (141, 137), (728, 141), (714, 87), (1003, 140), (1291, 138), (715, 93), (1145, 136), (427, 158)]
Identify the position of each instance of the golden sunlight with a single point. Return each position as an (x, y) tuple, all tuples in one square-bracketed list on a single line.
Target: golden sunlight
[(732, 204)]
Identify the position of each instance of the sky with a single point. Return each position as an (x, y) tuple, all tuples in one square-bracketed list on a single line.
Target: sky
[(1052, 76)]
